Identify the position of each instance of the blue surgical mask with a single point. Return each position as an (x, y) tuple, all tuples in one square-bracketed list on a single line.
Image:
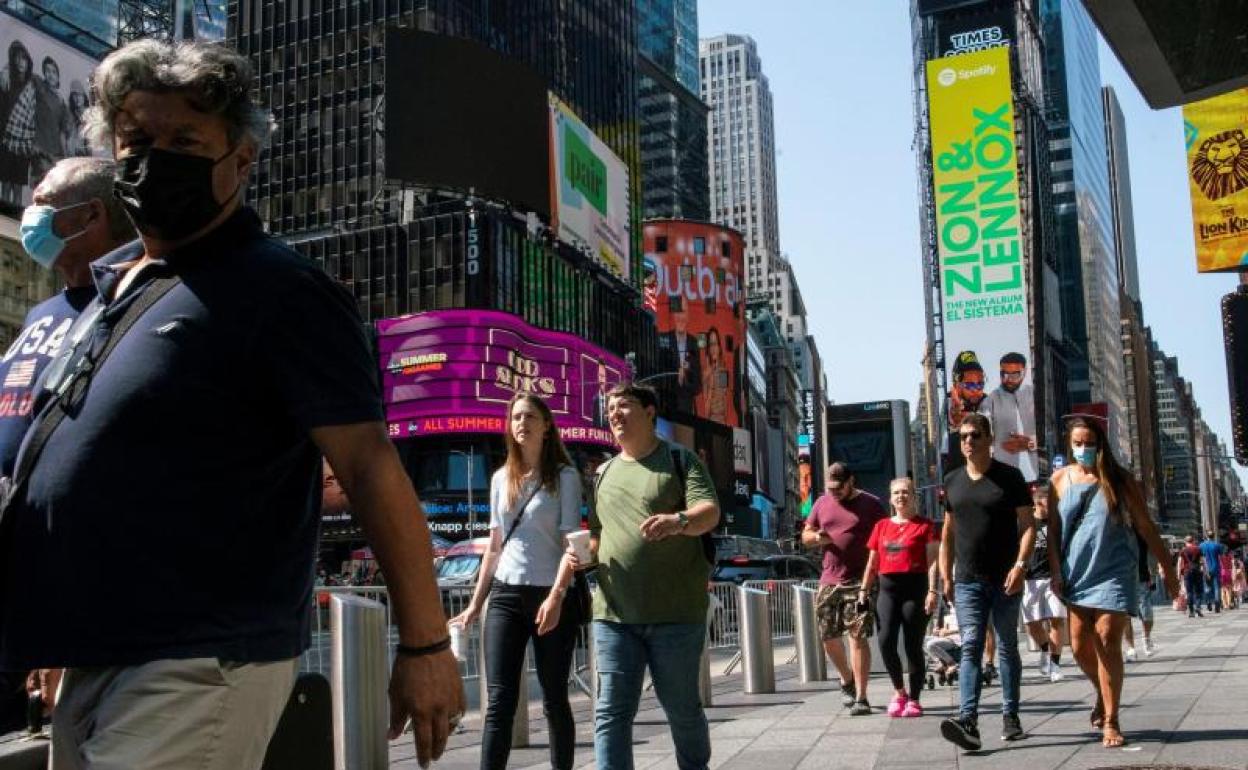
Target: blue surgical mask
[(38, 236), (1085, 456)]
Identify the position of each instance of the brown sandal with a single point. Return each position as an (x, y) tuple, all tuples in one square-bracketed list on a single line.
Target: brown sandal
[(1112, 738), (1098, 716)]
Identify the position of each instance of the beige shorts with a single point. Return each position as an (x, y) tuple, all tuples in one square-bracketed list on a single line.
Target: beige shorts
[(194, 713), (836, 607)]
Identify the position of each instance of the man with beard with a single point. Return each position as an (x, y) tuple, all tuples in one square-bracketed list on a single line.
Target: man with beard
[(966, 396), (1012, 410)]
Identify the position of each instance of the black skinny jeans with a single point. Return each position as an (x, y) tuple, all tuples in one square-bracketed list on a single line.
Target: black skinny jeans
[(510, 622), (900, 606)]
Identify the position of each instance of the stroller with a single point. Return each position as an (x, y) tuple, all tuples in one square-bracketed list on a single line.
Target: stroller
[(943, 648)]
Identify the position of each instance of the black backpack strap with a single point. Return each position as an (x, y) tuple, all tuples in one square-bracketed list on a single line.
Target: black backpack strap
[(682, 475), (67, 392)]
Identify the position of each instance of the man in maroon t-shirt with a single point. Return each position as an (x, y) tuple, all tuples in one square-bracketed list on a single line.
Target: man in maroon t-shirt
[(840, 523)]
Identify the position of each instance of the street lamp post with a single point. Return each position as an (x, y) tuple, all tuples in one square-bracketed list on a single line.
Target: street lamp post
[(472, 511)]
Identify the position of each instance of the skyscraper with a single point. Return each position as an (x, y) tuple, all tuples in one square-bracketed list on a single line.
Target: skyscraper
[(1177, 423), (1087, 261), (742, 153), (673, 117)]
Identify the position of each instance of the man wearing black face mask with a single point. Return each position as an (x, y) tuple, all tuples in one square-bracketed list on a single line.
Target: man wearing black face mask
[(246, 362)]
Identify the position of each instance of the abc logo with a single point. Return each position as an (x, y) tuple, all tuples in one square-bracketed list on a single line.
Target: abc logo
[(947, 76)]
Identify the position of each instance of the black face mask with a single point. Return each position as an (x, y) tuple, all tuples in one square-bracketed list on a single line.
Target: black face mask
[(167, 195)]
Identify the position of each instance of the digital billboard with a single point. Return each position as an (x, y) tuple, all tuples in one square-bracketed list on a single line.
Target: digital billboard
[(459, 115), (1216, 134), (589, 191), (43, 95), (453, 371), (983, 283), (958, 33), (695, 273)]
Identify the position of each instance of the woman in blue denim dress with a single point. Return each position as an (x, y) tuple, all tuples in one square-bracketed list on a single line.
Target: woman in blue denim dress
[(1093, 555)]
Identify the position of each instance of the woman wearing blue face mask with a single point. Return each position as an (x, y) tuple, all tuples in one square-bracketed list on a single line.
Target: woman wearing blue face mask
[(1092, 556)]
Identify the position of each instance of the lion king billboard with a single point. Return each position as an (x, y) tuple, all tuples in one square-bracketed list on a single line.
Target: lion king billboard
[(1216, 134)]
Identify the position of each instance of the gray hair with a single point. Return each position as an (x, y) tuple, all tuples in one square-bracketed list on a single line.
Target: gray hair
[(77, 180), (215, 78)]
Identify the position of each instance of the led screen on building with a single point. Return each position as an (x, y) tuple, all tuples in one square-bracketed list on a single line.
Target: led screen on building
[(693, 277), (983, 281), (1216, 134), (453, 371), (589, 191), (43, 95)]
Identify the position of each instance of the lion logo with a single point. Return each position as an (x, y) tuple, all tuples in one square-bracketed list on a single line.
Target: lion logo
[(1220, 167)]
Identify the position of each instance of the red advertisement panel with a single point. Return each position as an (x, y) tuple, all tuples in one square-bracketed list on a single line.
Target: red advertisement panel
[(694, 283)]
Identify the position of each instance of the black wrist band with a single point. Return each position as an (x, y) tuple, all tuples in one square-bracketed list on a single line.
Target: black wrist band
[(428, 649)]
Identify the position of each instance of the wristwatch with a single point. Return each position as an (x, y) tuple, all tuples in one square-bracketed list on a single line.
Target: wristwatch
[(681, 519)]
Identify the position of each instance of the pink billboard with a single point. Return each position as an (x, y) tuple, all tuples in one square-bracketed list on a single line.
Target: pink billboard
[(453, 371)]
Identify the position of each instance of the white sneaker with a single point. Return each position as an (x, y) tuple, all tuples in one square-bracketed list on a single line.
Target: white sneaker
[(1055, 674), (1150, 649), (1130, 654), (1044, 663)]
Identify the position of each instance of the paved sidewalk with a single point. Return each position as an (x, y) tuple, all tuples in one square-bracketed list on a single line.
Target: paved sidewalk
[(1186, 706)]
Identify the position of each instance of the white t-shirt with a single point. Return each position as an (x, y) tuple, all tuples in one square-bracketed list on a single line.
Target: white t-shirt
[(531, 557)]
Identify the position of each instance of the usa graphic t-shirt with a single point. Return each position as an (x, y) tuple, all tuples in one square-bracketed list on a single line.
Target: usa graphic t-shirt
[(46, 327), (902, 547)]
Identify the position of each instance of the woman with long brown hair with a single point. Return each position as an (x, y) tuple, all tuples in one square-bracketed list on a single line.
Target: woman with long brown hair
[(535, 501), (1093, 553)]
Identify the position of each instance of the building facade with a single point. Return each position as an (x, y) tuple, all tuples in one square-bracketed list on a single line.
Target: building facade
[(1176, 421), (1084, 210), (673, 118), (741, 152)]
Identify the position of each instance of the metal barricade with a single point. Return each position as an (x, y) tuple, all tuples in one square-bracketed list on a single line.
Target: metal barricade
[(358, 675), (723, 617), (757, 655), (781, 603), (812, 665)]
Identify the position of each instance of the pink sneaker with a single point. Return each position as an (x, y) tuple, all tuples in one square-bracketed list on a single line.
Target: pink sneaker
[(913, 709), (897, 706)]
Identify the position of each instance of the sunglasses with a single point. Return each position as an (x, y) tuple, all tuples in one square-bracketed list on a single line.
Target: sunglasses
[(1011, 375), (970, 436), (972, 385)]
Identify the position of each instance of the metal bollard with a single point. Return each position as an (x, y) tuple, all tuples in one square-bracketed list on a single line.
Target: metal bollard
[(704, 676), (757, 656), (359, 669), (520, 724), (812, 665)]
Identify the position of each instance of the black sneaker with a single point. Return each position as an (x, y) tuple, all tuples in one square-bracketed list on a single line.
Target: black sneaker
[(1011, 728), (962, 731), (848, 694), (860, 709)]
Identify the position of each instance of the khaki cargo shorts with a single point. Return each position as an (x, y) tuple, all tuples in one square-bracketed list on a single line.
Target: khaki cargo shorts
[(836, 607)]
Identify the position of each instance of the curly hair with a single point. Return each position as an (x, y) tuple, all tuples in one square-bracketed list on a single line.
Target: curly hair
[(215, 78)]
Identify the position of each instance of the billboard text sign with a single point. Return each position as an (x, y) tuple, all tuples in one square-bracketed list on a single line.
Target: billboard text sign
[(453, 371), (589, 190), (1216, 133), (983, 283)]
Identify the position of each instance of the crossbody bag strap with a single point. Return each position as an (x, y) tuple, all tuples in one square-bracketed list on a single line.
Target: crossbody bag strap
[(515, 521), (54, 410), (1085, 502)]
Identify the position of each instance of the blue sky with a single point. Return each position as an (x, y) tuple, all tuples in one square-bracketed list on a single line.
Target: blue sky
[(841, 77)]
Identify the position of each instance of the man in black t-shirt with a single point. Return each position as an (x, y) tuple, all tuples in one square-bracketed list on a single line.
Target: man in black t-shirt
[(989, 532)]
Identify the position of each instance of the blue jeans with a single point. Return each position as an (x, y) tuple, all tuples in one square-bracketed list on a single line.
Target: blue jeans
[(976, 604), (1214, 590), (673, 652)]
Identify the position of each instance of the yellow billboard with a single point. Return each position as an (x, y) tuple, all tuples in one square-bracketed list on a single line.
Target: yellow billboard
[(1217, 175), (983, 281)]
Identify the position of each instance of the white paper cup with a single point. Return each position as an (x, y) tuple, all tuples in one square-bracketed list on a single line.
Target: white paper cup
[(459, 640), (579, 540)]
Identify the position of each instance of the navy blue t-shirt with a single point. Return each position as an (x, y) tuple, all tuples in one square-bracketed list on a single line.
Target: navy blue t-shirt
[(43, 331), (174, 513)]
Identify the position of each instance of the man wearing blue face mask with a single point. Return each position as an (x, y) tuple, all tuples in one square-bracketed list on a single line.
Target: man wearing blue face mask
[(73, 221)]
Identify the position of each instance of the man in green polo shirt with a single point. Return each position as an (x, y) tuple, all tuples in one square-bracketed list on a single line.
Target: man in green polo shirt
[(650, 607)]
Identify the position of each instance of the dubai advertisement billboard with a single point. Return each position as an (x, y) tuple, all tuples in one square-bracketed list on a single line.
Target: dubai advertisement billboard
[(453, 371), (983, 283), (589, 191), (1216, 134), (43, 95), (694, 284)]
